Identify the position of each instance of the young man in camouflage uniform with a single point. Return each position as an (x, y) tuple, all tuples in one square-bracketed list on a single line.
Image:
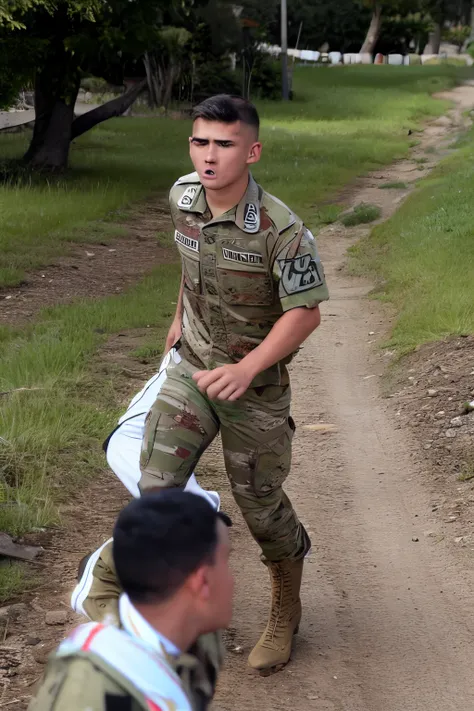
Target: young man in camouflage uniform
[(171, 554), (250, 292)]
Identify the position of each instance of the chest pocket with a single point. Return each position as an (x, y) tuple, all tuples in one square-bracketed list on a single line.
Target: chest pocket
[(189, 249), (243, 277)]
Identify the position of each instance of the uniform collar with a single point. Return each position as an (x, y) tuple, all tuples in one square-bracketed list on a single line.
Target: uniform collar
[(246, 215), (136, 626)]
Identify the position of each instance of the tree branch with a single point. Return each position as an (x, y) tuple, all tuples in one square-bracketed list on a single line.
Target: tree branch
[(116, 107)]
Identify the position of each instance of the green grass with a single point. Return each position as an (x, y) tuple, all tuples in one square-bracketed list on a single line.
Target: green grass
[(393, 186), (14, 577), (424, 255), (342, 123), (51, 434), (111, 167), (361, 214)]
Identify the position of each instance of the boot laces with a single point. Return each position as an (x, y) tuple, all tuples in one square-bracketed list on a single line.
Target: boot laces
[(283, 603)]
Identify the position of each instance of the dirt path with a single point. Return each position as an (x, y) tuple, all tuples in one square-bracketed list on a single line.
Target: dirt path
[(388, 610)]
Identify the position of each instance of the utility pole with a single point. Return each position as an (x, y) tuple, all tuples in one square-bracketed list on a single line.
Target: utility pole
[(284, 51)]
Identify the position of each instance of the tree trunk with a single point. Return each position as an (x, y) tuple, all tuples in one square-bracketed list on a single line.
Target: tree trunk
[(373, 31), (172, 74), (56, 89), (116, 107), (435, 39), (154, 91)]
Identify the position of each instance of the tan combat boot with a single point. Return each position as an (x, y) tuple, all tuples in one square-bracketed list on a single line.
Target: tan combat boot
[(273, 649)]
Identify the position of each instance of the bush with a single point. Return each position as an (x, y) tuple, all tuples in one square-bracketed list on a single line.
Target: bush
[(266, 78), (95, 85), (216, 78), (457, 35), (453, 61), (415, 59)]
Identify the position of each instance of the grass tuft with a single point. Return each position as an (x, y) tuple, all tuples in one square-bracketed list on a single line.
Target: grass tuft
[(361, 214)]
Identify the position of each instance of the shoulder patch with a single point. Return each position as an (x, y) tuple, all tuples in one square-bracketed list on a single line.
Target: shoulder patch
[(299, 274), (186, 199), (278, 212), (189, 178)]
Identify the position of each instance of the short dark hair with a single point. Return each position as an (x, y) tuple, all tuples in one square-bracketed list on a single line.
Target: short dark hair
[(160, 539), (227, 109)]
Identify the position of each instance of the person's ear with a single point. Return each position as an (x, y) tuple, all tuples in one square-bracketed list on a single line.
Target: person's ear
[(198, 583), (254, 153)]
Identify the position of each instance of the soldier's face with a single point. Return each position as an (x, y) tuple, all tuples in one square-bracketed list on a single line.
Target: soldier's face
[(217, 593), (221, 153)]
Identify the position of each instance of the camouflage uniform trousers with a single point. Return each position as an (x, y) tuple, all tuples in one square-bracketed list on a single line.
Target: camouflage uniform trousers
[(256, 433)]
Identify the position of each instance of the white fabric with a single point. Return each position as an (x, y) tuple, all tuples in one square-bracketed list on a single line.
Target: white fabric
[(136, 626), (145, 665), (123, 450)]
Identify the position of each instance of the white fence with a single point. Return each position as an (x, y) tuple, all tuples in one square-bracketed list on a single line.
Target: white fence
[(335, 58)]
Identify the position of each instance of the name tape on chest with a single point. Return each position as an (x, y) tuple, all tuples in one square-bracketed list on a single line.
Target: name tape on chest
[(299, 274), (188, 242), (242, 257), (251, 218), (186, 199)]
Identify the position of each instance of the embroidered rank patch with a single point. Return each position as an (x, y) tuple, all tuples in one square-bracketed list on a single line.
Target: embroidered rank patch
[(242, 257), (188, 242), (188, 196), (251, 218), (299, 274)]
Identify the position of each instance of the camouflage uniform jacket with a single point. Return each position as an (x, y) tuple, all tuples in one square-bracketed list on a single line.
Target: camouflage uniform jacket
[(241, 272), (83, 678)]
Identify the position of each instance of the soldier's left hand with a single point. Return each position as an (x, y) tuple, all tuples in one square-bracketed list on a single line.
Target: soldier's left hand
[(228, 382)]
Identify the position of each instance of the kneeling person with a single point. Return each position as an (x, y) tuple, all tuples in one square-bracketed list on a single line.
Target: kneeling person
[(171, 554)]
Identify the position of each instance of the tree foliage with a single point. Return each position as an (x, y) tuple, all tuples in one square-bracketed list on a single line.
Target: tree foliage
[(184, 48)]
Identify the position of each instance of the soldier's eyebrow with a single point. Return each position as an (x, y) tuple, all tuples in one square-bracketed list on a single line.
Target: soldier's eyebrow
[(223, 142)]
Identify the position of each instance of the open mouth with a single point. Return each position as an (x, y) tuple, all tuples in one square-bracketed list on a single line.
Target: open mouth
[(210, 173)]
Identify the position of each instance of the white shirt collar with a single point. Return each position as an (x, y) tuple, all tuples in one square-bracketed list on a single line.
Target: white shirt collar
[(137, 626)]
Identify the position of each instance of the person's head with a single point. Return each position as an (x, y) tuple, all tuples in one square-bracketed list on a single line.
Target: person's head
[(171, 548), (224, 142)]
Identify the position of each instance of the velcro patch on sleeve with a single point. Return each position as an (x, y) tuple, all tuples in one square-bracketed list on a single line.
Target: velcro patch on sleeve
[(299, 274)]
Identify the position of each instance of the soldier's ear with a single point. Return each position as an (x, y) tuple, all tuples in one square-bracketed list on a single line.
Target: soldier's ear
[(254, 153)]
